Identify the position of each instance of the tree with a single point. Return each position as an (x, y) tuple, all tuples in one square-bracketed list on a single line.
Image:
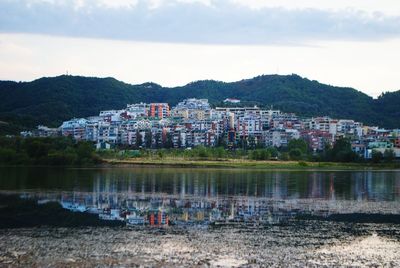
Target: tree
[(220, 152), (7, 156), (295, 154), (139, 141), (84, 150), (284, 156), (168, 141), (242, 144), (252, 142), (201, 151), (158, 139), (254, 155), (389, 155), (341, 152), (36, 148), (148, 137), (273, 151), (299, 144), (376, 156), (46, 151), (179, 141), (221, 140), (260, 154)]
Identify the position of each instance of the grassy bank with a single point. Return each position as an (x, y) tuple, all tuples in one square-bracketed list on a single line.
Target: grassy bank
[(250, 164)]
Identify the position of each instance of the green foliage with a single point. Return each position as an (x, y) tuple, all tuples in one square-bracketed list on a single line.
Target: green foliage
[(50, 101), (260, 154), (298, 144), (201, 152), (220, 152), (387, 105), (273, 151), (341, 152), (197, 153), (295, 154), (148, 138), (221, 141), (303, 164), (389, 155), (284, 156), (133, 153), (46, 151), (139, 140), (168, 144), (377, 156)]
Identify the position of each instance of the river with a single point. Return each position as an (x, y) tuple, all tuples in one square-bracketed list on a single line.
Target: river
[(206, 217)]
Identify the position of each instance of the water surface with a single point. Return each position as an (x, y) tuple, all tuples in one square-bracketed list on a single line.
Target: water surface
[(216, 217), (196, 193)]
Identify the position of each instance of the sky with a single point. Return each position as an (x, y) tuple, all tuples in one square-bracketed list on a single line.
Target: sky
[(173, 42)]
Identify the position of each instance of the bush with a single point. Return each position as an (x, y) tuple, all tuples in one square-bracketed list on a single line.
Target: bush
[(201, 152), (46, 151), (273, 151), (376, 156), (284, 156), (260, 154), (340, 152), (389, 155), (303, 164), (297, 144), (295, 154), (220, 152)]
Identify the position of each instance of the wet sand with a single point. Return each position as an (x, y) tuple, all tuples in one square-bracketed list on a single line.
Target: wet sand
[(296, 244)]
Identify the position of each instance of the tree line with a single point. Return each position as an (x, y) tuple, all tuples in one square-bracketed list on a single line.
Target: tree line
[(60, 151), (64, 151), (296, 150)]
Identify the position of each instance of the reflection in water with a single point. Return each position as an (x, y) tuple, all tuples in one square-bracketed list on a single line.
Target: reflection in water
[(161, 196)]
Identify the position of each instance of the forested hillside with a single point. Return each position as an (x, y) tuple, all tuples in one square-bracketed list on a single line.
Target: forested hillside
[(49, 101)]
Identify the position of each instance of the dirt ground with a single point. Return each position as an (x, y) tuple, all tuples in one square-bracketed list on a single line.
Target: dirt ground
[(296, 244)]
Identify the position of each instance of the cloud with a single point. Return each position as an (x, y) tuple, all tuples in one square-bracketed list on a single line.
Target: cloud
[(191, 21)]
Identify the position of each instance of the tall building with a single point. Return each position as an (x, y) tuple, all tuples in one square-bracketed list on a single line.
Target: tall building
[(160, 110)]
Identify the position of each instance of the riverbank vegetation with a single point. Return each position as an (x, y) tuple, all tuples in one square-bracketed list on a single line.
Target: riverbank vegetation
[(64, 151), (295, 155), (297, 150), (46, 151)]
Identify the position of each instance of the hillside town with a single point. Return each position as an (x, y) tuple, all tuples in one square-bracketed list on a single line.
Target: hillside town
[(194, 122)]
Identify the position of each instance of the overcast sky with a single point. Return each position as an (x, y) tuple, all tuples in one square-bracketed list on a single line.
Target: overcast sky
[(172, 42)]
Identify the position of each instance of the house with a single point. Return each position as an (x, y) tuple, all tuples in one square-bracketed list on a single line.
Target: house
[(231, 100), (103, 146), (75, 128)]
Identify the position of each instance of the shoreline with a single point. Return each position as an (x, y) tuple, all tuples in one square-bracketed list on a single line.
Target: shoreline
[(248, 164), (226, 164)]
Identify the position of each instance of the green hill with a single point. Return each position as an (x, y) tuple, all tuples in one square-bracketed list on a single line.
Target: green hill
[(52, 100)]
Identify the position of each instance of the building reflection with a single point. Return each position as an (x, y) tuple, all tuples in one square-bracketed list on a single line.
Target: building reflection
[(206, 199)]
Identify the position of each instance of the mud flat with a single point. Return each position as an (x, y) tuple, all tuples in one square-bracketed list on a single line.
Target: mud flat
[(296, 244)]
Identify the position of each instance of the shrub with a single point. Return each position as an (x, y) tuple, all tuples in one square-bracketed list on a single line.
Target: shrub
[(303, 164), (376, 156)]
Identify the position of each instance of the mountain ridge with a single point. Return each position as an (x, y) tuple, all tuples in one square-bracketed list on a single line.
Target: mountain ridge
[(51, 100)]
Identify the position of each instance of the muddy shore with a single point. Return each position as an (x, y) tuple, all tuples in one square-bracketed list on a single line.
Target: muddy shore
[(296, 244)]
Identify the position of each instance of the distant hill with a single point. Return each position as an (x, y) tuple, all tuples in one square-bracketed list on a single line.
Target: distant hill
[(52, 100)]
